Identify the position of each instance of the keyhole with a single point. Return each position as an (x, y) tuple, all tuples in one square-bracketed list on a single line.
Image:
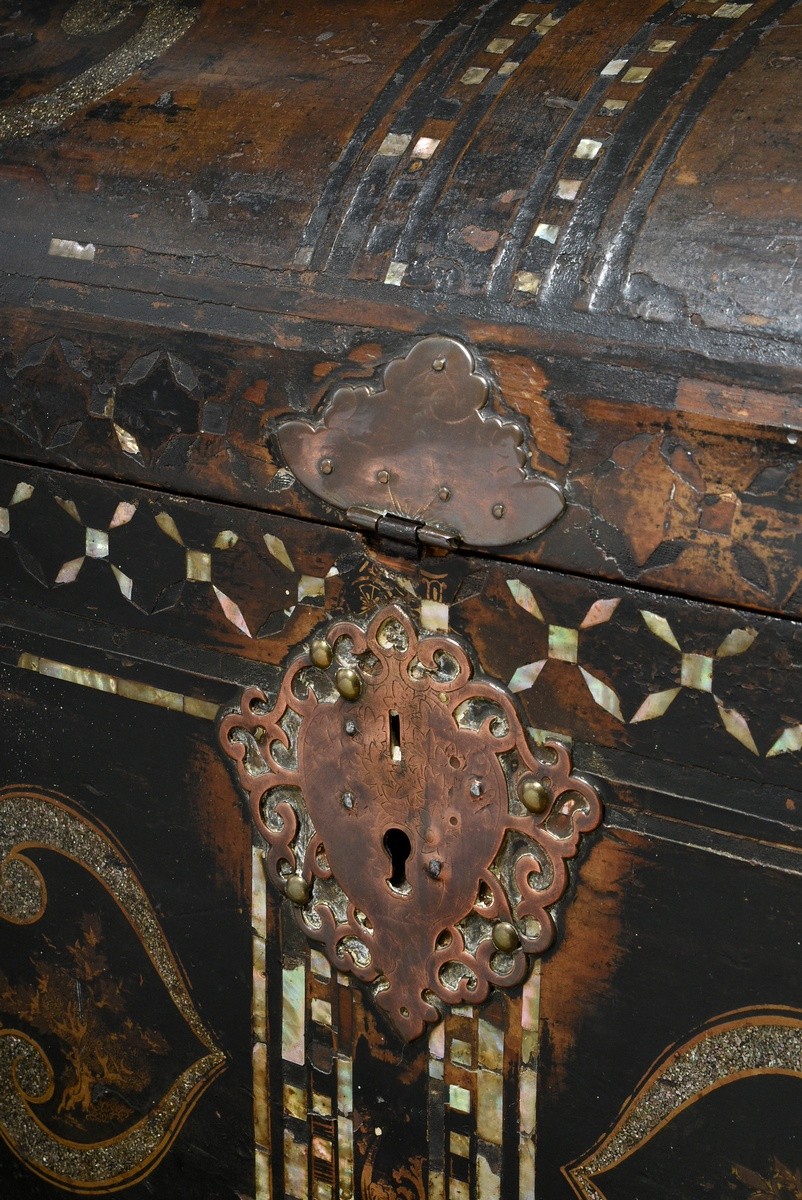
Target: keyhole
[(395, 737), (399, 848)]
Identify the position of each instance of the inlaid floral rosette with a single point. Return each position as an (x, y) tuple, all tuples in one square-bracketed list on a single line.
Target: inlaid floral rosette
[(420, 836)]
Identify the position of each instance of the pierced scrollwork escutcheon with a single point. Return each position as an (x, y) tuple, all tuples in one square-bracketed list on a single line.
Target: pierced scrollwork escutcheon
[(421, 838)]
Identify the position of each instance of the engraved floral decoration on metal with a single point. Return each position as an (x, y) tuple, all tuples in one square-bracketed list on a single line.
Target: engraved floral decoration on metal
[(401, 448), (421, 838)]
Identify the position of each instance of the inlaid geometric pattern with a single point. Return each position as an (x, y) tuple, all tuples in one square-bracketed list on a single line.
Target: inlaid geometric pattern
[(563, 645), (694, 671), (22, 492), (195, 559), (157, 555), (408, 192), (478, 1144)]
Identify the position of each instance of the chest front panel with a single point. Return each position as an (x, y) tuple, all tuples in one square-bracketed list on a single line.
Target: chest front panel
[(400, 585), (166, 1017)]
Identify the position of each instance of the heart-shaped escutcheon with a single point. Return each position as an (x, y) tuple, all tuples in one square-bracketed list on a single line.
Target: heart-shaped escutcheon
[(406, 814)]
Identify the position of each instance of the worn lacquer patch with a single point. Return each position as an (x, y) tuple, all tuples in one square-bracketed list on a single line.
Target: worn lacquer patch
[(164, 22)]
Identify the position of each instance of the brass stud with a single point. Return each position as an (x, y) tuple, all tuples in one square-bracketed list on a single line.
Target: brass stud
[(326, 466), (298, 890), (505, 937), (498, 511), (349, 683), (383, 476), (533, 795), (320, 653), (439, 364), (444, 493)]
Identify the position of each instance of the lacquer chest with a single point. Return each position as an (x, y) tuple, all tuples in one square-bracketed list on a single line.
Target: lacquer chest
[(400, 598)]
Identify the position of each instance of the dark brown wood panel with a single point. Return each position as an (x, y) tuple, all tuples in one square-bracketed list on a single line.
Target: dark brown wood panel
[(212, 214), (119, 646), (673, 483), (131, 986), (634, 677), (393, 147)]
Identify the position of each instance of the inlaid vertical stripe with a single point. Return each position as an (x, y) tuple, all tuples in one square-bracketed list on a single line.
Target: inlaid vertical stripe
[(468, 1060), (436, 1113), (467, 1122), (490, 1118), (344, 1083), (527, 1092), (296, 1168), (322, 998), (262, 1174), (293, 1013), (345, 1126), (296, 1089), (466, 1106), (261, 1105)]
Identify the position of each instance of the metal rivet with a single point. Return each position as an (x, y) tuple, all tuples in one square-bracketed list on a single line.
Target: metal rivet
[(383, 476), (498, 511), (350, 727), (298, 890), (477, 788), (505, 937), (347, 800), (349, 683), (320, 653), (326, 466), (533, 795), (434, 867), (444, 493), (439, 364)]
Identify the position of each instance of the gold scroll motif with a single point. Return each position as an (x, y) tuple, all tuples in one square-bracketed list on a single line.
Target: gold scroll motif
[(779, 1182), (32, 820), (406, 1180), (739, 1045), (165, 21)]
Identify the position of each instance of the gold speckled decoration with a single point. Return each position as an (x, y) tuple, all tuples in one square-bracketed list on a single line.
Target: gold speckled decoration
[(29, 820), (734, 1046), (94, 16), (26, 1079), (164, 23)]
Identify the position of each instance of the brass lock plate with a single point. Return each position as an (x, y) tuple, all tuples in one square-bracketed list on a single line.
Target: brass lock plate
[(419, 835)]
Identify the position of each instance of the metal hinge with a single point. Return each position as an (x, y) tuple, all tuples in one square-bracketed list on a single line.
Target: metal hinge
[(401, 529), (429, 442)]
